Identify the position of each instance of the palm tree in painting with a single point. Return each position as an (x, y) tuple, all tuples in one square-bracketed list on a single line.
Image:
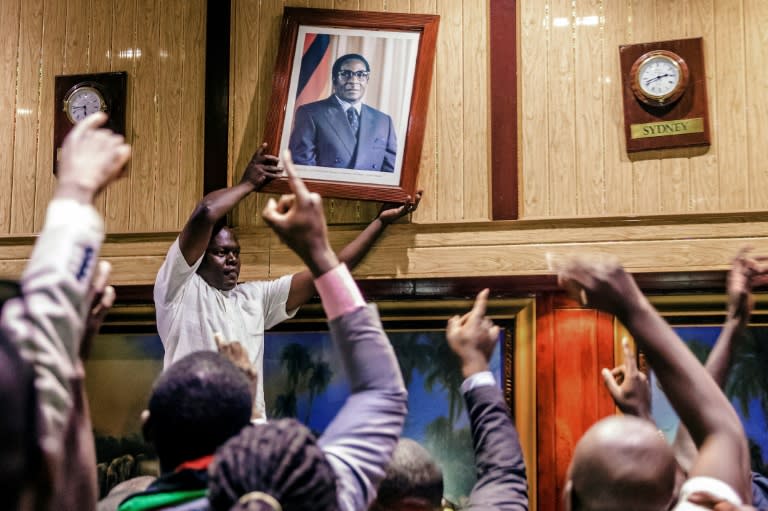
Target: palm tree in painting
[(317, 383), (285, 405), (445, 371), (749, 379), (453, 450), (297, 362), (412, 355), (305, 375)]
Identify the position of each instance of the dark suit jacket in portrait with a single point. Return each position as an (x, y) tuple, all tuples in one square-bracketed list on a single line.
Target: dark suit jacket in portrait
[(322, 137)]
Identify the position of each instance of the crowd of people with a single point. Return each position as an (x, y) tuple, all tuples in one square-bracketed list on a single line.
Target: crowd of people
[(205, 415)]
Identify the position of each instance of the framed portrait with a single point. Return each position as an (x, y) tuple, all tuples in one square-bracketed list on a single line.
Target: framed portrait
[(349, 100)]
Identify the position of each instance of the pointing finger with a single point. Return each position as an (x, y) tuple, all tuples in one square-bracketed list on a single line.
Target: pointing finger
[(295, 182)]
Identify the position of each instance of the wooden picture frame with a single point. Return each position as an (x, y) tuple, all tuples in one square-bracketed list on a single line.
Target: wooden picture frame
[(401, 50)]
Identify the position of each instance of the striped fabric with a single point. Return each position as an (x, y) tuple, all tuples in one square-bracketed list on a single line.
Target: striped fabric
[(314, 75)]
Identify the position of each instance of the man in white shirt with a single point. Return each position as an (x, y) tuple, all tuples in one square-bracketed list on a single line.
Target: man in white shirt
[(196, 291)]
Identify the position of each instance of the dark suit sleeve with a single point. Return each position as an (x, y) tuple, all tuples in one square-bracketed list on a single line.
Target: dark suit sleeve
[(391, 154), (361, 438), (501, 480), (302, 141)]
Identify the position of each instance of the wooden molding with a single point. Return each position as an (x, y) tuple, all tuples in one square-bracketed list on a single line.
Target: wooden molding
[(503, 74)]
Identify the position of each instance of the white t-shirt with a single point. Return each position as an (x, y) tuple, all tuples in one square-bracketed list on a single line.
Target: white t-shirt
[(709, 485), (189, 312)]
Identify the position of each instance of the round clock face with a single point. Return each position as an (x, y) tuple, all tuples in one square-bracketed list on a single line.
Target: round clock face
[(82, 102), (659, 77)]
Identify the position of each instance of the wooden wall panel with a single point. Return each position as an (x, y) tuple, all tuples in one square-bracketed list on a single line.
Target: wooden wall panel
[(561, 178), (99, 53), (170, 62), (45, 38), (450, 113), (9, 22), (476, 138), (146, 115), (562, 106), (704, 188), (729, 100), (26, 125), (755, 16), (619, 181), (118, 196), (534, 125), (192, 89), (52, 55), (590, 174)]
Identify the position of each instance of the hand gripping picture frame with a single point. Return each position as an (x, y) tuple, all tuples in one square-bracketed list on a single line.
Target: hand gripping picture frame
[(349, 99)]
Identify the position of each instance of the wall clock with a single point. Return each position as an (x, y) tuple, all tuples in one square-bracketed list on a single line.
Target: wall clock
[(664, 95), (659, 77), (77, 96)]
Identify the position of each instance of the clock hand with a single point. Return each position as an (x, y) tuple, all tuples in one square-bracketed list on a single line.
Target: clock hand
[(648, 82)]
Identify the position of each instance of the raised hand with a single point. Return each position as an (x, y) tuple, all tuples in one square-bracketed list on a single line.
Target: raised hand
[(391, 212), (102, 299), (262, 168), (237, 354), (473, 336), (91, 158), (299, 221), (599, 281), (746, 272), (629, 387)]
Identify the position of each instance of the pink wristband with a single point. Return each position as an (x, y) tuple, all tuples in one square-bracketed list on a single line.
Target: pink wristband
[(338, 292)]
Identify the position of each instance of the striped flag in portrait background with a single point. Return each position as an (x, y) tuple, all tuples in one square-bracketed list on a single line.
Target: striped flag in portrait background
[(315, 72)]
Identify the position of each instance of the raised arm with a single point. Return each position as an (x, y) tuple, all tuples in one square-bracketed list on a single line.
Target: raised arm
[(360, 440), (302, 284), (702, 407), (196, 234), (743, 274), (501, 479), (48, 320)]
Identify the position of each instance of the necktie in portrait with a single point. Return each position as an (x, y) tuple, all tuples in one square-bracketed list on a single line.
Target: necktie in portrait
[(354, 119)]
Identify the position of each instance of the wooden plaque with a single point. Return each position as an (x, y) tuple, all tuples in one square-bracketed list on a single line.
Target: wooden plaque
[(683, 122), (111, 86)]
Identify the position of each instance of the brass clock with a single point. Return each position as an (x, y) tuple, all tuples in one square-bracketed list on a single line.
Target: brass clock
[(78, 96), (83, 100), (659, 77)]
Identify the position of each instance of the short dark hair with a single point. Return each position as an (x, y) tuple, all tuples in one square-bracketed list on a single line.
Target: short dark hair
[(341, 60), (280, 458), (412, 472), (196, 405)]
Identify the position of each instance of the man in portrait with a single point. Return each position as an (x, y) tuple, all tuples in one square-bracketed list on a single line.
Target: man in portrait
[(341, 131)]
